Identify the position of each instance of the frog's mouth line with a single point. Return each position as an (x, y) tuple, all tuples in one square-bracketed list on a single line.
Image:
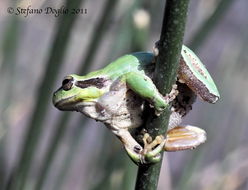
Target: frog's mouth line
[(64, 103), (68, 104)]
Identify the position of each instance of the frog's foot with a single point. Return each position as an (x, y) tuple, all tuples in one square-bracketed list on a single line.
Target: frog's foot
[(152, 148), (183, 138), (149, 154)]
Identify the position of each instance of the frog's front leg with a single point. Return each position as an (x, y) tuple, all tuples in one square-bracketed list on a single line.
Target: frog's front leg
[(145, 88)]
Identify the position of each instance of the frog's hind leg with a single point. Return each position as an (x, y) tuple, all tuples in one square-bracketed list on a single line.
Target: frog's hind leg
[(133, 148), (184, 138)]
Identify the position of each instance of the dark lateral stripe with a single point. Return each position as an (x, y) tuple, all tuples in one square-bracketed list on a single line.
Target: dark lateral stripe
[(97, 82)]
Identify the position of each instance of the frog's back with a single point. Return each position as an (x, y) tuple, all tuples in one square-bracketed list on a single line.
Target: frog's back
[(135, 62)]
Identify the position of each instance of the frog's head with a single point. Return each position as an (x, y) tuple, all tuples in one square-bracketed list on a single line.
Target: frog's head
[(77, 91)]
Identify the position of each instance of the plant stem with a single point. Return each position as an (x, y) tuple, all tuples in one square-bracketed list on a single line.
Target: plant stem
[(169, 46)]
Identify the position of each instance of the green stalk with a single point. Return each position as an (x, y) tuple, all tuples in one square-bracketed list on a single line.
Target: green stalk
[(34, 130), (171, 38)]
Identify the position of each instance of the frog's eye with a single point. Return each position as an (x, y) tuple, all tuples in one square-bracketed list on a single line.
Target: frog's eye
[(67, 83)]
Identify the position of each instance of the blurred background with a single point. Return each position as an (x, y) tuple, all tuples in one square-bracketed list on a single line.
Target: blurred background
[(43, 148)]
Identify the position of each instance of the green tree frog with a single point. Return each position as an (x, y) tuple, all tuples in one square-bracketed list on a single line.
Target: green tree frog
[(116, 94)]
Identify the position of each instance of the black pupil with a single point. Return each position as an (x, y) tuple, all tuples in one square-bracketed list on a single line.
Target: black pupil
[(67, 84)]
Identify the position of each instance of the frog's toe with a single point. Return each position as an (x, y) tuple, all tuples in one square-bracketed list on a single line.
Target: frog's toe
[(151, 151), (184, 138), (142, 156), (152, 148), (150, 158)]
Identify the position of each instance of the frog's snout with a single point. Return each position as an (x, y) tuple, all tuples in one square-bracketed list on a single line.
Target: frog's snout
[(54, 98)]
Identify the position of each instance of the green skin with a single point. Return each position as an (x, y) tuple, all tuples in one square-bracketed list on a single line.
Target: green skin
[(103, 95)]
